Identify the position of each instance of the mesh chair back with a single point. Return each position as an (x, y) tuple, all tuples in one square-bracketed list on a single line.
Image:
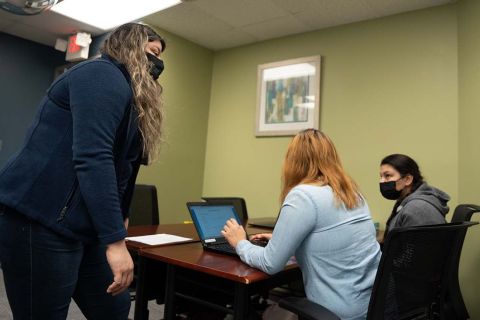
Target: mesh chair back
[(239, 204), (144, 206), (412, 277), (455, 306)]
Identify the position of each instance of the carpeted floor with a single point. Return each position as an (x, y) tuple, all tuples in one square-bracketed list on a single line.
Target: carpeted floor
[(74, 313)]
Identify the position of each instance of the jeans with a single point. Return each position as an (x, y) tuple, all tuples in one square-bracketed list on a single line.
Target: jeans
[(43, 271)]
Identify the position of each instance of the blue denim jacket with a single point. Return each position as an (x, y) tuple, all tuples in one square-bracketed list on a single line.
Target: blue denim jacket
[(77, 167)]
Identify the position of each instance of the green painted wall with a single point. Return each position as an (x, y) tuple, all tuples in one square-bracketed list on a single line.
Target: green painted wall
[(178, 175), (396, 84), (469, 145), (388, 85)]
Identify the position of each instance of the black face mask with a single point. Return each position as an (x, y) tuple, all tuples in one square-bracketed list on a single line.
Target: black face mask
[(388, 190), (157, 67)]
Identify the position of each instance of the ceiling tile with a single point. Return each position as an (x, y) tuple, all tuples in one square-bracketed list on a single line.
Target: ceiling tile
[(5, 23), (295, 6), (230, 39), (5, 15), (382, 8), (329, 13), (187, 18), (276, 28), (31, 33), (221, 24), (192, 24), (58, 24), (316, 19)]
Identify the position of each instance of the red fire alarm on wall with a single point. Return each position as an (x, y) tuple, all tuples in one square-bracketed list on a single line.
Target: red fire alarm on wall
[(78, 45), (73, 47)]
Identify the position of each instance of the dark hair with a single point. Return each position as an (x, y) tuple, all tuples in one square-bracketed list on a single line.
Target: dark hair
[(152, 36), (405, 165)]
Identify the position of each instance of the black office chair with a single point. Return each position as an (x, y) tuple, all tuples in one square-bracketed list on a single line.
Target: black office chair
[(455, 306), (144, 206), (143, 211), (464, 212), (412, 278)]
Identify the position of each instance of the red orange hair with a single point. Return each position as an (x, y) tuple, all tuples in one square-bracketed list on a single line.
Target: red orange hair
[(311, 157)]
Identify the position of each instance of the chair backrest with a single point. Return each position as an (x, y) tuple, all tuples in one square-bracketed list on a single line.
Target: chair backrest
[(464, 212), (144, 206), (414, 271), (455, 307), (239, 204)]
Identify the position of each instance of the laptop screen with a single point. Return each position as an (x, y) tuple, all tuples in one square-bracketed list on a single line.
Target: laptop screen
[(210, 219), (238, 203)]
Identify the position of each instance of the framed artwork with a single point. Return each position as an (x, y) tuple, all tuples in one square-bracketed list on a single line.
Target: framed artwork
[(288, 96)]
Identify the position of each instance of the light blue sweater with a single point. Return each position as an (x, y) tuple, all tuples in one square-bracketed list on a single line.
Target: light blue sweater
[(335, 248)]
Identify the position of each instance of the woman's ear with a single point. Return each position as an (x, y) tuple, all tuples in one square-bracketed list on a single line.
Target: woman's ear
[(408, 180)]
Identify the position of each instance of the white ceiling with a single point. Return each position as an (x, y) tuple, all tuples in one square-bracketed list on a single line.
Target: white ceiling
[(221, 24)]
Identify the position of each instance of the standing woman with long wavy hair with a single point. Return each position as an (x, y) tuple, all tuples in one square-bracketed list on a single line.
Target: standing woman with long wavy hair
[(325, 223), (65, 196)]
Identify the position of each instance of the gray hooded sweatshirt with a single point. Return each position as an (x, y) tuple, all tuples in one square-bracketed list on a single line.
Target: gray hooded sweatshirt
[(425, 206)]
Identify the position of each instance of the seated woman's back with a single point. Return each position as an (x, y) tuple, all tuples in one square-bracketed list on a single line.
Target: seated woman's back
[(336, 248), (325, 223)]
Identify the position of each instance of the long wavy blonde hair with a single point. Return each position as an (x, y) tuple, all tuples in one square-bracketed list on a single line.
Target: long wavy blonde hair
[(311, 157), (126, 44)]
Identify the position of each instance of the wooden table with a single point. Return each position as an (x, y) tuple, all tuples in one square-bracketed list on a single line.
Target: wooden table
[(186, 230), (154, 274), (188, 264)]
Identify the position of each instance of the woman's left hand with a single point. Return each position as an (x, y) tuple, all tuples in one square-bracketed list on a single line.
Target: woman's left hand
[(233, 232)]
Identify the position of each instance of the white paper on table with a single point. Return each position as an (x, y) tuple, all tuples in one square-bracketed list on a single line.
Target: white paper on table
[(160, 238)]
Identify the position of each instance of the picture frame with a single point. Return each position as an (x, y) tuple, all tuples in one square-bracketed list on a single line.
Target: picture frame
[(288, 96)]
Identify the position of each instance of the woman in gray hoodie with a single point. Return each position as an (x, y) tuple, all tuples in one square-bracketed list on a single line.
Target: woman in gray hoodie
[(417, 202)]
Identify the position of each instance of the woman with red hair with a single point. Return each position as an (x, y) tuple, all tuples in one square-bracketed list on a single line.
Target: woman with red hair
[(325, 223)]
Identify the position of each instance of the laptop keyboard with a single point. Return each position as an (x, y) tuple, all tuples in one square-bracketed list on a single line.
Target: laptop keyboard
[(224, 247)]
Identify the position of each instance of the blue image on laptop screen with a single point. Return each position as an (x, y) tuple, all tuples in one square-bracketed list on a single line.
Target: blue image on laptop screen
[(211, 219)]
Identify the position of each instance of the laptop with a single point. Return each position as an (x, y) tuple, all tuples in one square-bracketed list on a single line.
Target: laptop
[(209, 220)]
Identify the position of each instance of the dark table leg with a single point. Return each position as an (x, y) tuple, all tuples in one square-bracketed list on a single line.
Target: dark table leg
[(169, 310), (141, 300), (240, 302)]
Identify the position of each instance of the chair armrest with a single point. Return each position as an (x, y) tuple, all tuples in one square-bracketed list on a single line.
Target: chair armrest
[(306, 309)]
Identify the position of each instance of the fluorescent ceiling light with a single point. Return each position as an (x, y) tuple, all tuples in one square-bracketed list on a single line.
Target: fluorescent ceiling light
[(290, 71), (108, 14)]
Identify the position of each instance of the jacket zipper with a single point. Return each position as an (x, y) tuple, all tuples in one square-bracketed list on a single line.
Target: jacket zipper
[(67, 203)]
